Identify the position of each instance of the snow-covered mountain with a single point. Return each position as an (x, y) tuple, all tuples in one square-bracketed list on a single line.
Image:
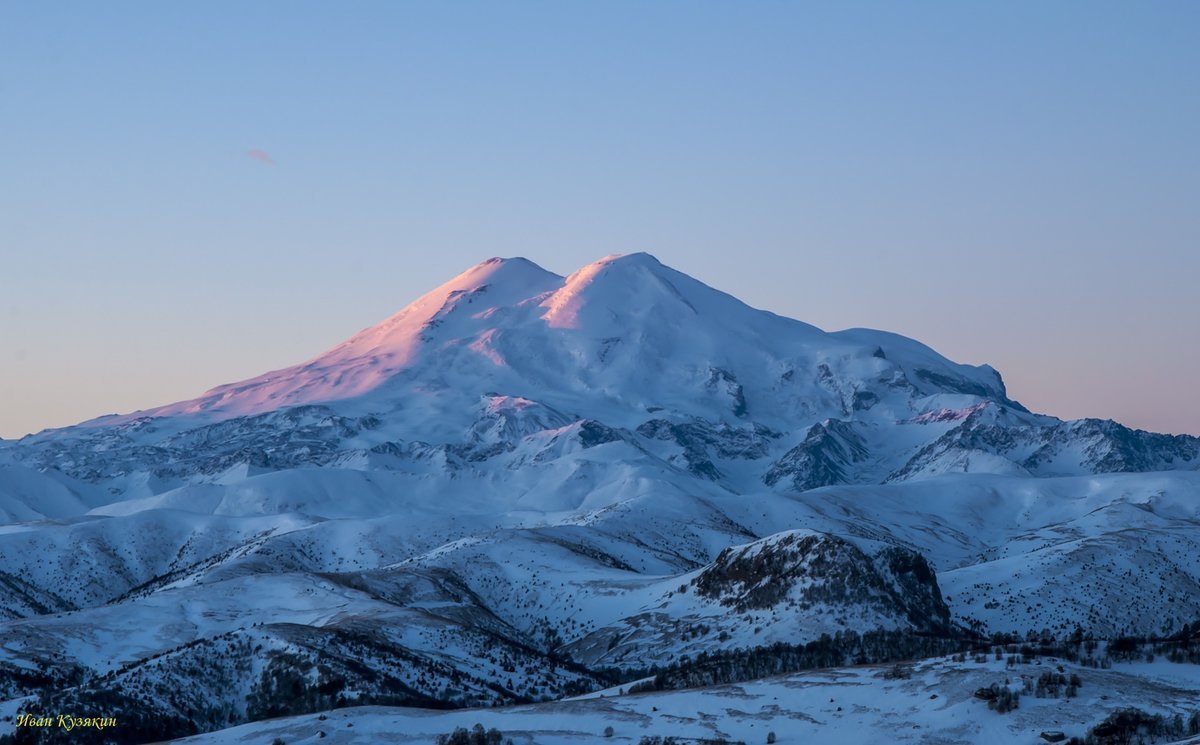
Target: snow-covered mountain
[(524, 486)]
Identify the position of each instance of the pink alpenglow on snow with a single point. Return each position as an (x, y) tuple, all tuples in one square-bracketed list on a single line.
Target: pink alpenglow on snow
[(625, 321)]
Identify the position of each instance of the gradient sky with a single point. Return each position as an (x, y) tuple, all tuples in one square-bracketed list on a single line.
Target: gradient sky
[(194, 193)]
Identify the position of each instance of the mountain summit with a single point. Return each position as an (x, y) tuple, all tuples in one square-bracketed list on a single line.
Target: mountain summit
[(625, 329)]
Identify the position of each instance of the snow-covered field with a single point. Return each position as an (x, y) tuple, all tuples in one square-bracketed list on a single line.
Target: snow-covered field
[(848, 706)]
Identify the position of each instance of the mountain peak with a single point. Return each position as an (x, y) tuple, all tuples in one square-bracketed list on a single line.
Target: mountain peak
[(495, 282), (626, 322), (516, 272), (637, 258), (374, 355), (620, 284)]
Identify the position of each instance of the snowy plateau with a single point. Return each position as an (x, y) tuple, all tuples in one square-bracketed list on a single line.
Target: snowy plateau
[(619, 506)]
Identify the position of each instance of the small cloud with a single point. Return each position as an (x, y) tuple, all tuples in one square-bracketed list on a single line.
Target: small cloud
[(261, 156)]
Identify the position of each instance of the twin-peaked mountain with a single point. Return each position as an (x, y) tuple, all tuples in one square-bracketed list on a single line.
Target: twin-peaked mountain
[(507, 361), (523, 486)]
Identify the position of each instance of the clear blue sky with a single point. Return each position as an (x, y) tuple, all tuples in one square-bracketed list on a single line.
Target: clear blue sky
[(1015, 183)]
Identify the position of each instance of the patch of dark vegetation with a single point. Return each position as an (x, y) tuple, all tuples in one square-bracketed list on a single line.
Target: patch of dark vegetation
[(1000, 698), (477, 735), (16, 681), (674, 740), (148, 707), (1182, 647), (194, 688), (845, 648), (1135, 727), (1055, 685), (22, 598), (898, 672), (829, 570)]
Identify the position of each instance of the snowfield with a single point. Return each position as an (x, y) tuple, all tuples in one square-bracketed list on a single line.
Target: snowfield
[(852, 705)]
